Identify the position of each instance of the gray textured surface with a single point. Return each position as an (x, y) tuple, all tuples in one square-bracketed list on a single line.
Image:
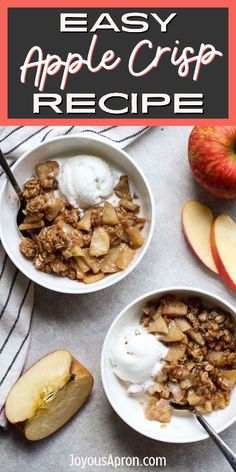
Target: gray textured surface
[(79, 323)]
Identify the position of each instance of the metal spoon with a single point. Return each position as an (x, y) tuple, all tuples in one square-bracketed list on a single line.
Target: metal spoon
[(230, 456), (20, 215)]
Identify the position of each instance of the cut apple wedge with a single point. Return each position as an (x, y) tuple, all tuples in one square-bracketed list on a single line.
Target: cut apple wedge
[(48, 394), (223, 243), (196, 221)]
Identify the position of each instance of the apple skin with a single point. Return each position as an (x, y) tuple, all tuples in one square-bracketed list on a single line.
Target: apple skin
[(218, 262), (212, 158)]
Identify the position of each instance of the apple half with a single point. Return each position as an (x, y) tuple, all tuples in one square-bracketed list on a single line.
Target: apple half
[(48, 394), (223, 243), (196, 222)]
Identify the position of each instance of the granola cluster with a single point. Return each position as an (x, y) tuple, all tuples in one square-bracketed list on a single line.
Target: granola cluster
[(199, 369), (62, 241)]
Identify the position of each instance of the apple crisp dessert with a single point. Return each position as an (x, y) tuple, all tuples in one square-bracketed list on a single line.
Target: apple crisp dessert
[(83, 246), (199, 370)]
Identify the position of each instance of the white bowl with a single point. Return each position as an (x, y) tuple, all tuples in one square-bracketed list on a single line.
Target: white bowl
[(183, 427), (24, 169)]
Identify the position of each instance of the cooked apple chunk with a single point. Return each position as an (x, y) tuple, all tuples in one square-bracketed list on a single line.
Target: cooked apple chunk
[(100, 242), (174, 308), (109, 263), (230, 376), (183, 324), (174, 333), (48, 394), (158, 326), (125, 257), (82, 264), (196, 336), (67, 228), (135, 238), (176, 352), (33, 218), (109, 216), (48, 168), (31, 224), (92, 278), (122, 188), (86, 221), (185, 339), (93, 262), (130, 206), (73, 251), (53, 208)]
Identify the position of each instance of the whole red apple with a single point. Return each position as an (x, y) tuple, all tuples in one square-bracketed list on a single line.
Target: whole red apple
[(212, 158)]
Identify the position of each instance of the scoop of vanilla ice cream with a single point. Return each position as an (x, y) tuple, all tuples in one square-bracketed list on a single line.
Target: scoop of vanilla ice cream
[(85, 180), (136, 355)]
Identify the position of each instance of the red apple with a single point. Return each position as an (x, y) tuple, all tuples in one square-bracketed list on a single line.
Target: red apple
[(212, 158)]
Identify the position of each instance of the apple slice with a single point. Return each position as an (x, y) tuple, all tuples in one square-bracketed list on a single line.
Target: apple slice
[(223, 243), (196, 221), (48, 394)]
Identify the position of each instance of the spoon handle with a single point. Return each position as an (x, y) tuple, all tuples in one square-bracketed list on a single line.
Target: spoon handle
[(10, 175), (227, 452)]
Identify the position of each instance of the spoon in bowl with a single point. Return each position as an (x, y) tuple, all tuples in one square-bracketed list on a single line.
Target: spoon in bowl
[(230, 456), (20, 215)]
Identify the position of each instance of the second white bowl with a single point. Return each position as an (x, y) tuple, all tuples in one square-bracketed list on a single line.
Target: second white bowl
[(183, 428)]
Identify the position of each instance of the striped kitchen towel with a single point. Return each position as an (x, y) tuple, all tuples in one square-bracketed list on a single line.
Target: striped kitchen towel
[(16, 291)]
